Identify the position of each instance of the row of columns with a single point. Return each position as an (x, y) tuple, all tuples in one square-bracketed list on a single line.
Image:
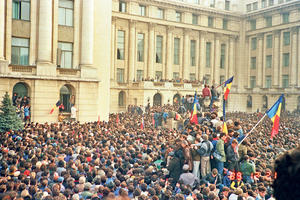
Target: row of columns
[(168, 65), (277, 59), (46, 33)]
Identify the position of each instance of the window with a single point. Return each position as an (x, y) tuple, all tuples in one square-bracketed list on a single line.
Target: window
[(122, 99), (158, 75), (223, 51), (122, 6), (19, 51), (160, 13), (263, 3), (271, 2), (178, 16), (255, 6), (269, 41), (66, 55), (66, 98), (176, 75), (286, 59), (225, 24), (253, 24), (268, 81), (253, 43), (192, 76), (21, 9), (286, 38), (269, 61), (195, 19), (212, 3), (248, 7), (285, 81), (252, 81), (208, 53), (140, 75), (285, 18), (268, 21), (176, 50), (142, 10), (120, 45), (222, 79), (227, 5), (253, 62), (193, 52), (120, 75), (65, 15), (159, 43), (140, 51), (210, 21), (280, 1)]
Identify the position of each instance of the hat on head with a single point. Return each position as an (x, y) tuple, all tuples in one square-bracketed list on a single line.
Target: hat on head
[(185, 167)]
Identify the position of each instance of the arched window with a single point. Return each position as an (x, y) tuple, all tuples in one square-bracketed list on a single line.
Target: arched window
[(176, 99), (265, 102), (21, 90), (157, 99), (66, 98), (249, 101), (121, 98)]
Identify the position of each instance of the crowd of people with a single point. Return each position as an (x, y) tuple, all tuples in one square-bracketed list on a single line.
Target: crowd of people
[(135, 155)]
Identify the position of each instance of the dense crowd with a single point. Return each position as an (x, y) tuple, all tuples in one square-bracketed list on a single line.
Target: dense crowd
[(136, 155)]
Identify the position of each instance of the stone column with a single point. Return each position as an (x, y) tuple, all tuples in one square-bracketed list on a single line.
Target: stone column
[(260, 60), (248, 59), (76, 42), (280, 60), (45, 32), (186, 53), (87, 34), (169, 65), (132, 52), (202, 56), (2, 29), (113, 48), (276, 56), (151, 52), (298, 71), (197, 67), (216, 66), (293, 68), (263, 74), (33, 33)]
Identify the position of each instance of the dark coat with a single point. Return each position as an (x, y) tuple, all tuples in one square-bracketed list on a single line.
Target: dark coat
[(174, 169)]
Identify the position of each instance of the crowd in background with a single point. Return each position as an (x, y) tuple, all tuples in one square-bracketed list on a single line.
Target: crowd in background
[(136, 155)]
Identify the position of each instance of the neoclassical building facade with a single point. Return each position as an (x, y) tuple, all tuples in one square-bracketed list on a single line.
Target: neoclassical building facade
[(162, 50), (103, 55), (57, 50)]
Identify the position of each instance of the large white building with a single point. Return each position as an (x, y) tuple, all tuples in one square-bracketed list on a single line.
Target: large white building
[(103, 55)]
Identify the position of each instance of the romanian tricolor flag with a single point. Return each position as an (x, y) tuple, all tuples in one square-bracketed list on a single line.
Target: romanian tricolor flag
[(224, 128), (194, 118), (227, 87), (57, 105), (274, 114)]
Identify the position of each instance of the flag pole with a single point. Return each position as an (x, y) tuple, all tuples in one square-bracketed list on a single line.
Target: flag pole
[(253, 128)]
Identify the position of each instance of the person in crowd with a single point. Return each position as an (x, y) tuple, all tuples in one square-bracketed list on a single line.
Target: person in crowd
[(232, 156), (110, 160)]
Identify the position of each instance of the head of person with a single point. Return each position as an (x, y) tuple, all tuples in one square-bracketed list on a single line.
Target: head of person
[(234, 143), (214, 172), (287, 169), (223, 136), (262, 191)]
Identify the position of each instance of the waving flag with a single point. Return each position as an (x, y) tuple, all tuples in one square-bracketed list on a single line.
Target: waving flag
[(227, 87), (57, 105), (274, 115), (194, 117)]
